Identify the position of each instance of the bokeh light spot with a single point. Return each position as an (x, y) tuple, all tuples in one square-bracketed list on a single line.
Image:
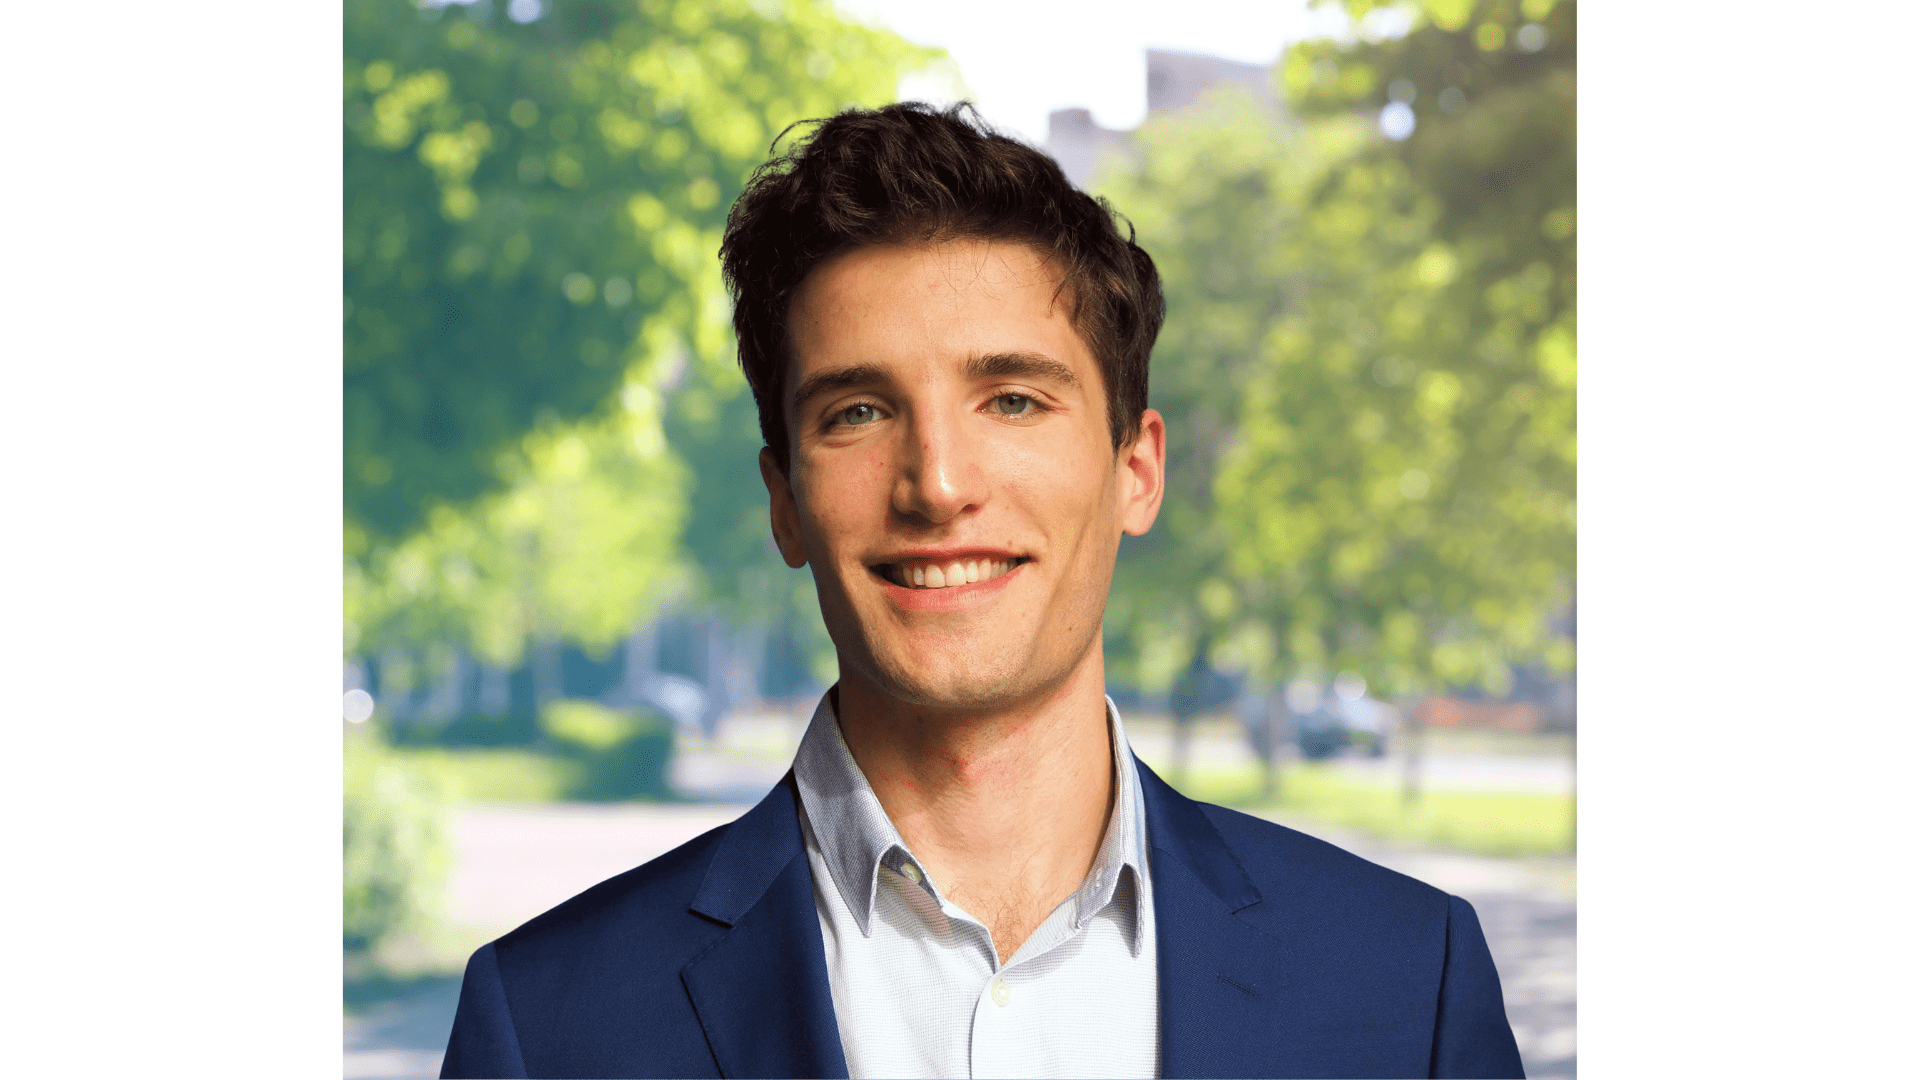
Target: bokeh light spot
[(356, 706), (1397, 120), (1350, 685)]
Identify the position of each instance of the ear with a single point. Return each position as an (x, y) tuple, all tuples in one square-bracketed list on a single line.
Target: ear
[(1142, 469), (783, 510)]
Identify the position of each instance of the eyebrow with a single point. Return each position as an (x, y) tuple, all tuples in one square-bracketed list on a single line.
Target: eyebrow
[(1010, 365), (845, 378), (1022, 365)]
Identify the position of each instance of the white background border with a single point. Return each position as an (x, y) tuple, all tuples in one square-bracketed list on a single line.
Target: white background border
[(172, 433)]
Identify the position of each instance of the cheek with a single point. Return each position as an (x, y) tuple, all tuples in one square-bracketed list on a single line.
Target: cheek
[(841, 501), (1068, 487)]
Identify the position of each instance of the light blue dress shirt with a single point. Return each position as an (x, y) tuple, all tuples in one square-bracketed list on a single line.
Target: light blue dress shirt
[(918, 989)]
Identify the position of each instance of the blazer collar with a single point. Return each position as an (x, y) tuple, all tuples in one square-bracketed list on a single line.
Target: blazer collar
[(1177, 827), (760, 990), (1218, 989)]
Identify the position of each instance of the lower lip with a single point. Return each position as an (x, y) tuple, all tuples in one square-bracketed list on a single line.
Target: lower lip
[(951, 599)]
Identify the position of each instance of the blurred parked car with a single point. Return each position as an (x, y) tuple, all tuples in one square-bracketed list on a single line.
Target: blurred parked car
[(1326, 724)]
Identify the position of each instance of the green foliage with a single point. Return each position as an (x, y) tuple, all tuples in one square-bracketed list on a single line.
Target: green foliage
[(531, 208), (473, 728), (587, 725), (397, 850), (1368, 368), (625, 753), (532, 219), (580, 543)]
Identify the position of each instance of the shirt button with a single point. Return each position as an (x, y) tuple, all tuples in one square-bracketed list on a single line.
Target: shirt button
[(1002, 993), (911, 871)]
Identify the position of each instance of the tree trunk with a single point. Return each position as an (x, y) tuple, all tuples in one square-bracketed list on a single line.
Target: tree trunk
[(718, 700), (642, 656), (546, 670), (1414, 718)]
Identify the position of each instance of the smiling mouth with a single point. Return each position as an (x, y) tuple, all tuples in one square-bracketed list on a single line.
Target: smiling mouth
[(945, 574)]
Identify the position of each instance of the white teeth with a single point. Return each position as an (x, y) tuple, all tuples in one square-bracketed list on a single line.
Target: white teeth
[(953, 574)]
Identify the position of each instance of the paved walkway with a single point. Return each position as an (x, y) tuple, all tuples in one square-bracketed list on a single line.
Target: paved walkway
[(404, 1039), (513, 862)]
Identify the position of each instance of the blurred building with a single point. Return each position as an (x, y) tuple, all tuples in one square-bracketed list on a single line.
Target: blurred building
[(1175, 81)]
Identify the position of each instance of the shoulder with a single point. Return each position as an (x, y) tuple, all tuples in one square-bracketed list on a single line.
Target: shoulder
[(593, 987), (648, 906)]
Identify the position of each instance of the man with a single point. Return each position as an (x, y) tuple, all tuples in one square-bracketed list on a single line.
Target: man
[(967, 873)]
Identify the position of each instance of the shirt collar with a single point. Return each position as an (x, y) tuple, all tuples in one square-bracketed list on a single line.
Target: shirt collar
[(857, 839)]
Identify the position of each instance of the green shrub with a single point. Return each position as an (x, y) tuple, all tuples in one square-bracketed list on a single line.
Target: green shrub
[(624, 753), (397, 844), (517, 727)]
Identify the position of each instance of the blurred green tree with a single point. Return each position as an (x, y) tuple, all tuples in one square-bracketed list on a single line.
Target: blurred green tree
[(532, 216), (580, 541), (1369, 361)]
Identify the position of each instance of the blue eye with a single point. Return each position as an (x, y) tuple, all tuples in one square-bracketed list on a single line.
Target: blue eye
[(859, 415), (1013, 404)]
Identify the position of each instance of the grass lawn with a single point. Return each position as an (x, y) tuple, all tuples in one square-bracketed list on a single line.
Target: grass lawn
[(497, 774), (1490, 823)]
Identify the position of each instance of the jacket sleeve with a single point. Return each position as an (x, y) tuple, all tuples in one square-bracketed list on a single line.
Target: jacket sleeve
[(1471, 1037), (483, 1043)]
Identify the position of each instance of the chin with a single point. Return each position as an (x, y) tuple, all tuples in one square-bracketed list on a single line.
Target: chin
[(962, 675), (957, 691)]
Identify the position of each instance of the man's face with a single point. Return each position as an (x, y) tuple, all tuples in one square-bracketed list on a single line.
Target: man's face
[(953, 479)]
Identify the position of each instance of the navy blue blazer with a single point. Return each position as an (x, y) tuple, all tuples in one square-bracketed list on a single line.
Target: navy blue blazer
[(1280, 956)]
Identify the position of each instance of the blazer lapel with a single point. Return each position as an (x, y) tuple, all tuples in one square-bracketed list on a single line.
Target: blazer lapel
[(761, 989), (1224, 1009)]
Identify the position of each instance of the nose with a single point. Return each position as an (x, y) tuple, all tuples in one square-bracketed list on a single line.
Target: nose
[(941, 477)]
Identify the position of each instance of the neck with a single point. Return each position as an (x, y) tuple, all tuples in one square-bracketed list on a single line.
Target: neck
[(1005, 808)]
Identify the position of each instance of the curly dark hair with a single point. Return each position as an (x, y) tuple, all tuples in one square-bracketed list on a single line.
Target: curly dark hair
[(911, 173)]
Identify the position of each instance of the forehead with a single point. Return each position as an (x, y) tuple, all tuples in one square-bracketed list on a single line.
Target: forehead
[(928, 302)]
